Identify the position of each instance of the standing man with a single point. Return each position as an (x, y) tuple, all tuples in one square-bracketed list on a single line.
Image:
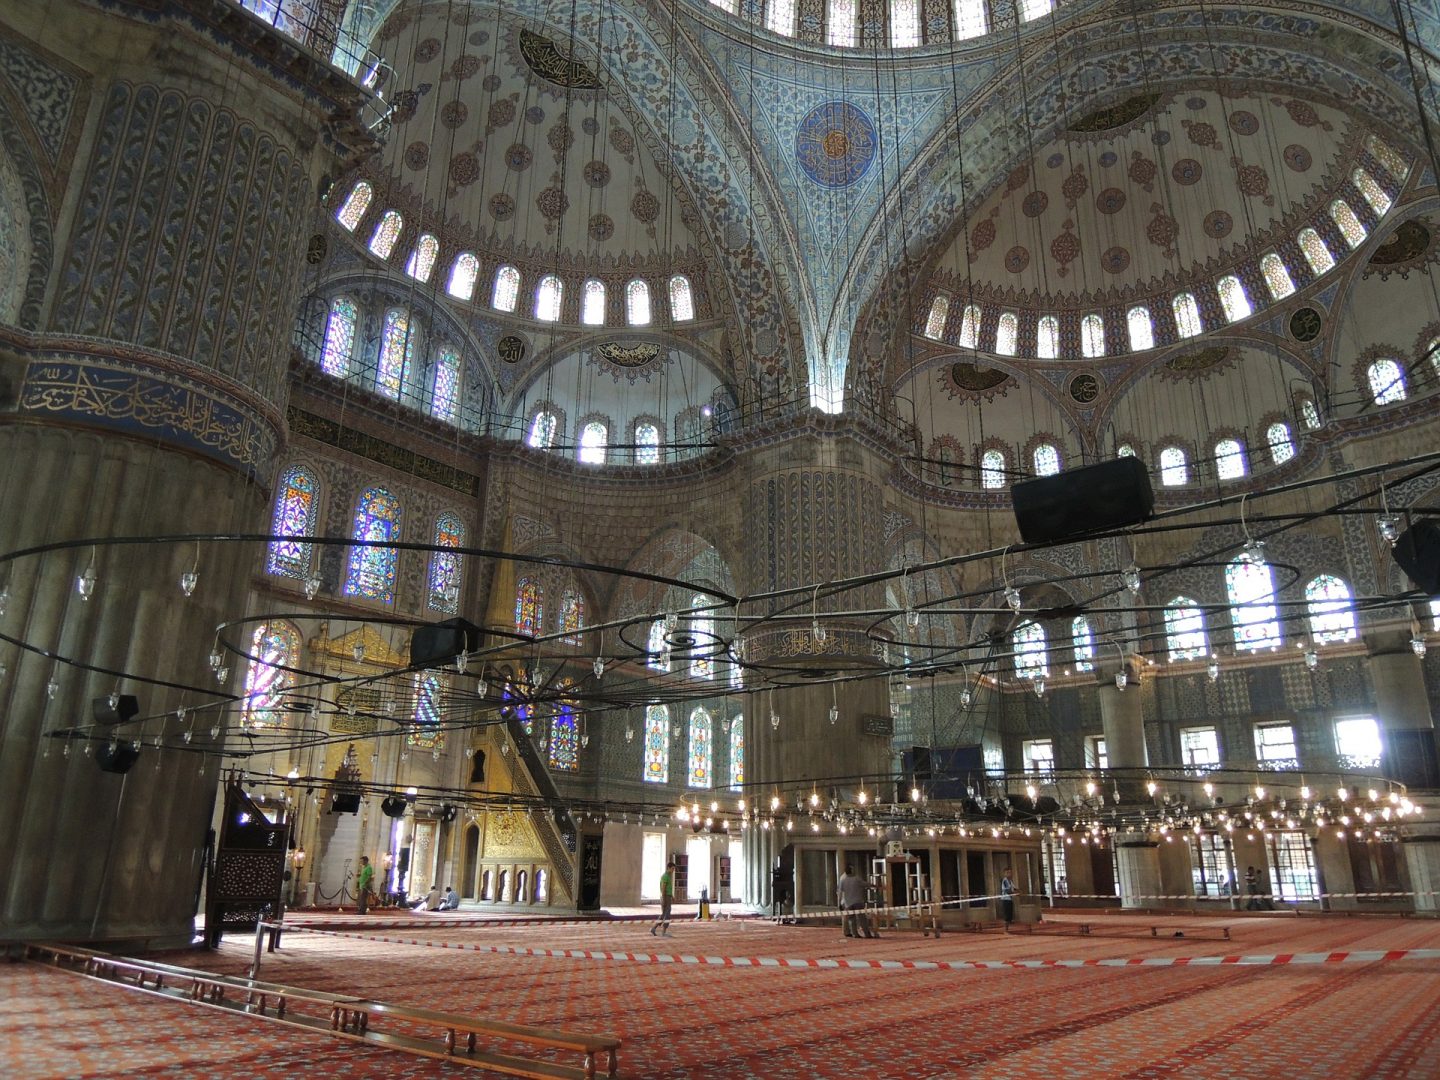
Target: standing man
[(1007, 897), (363, 881), (667, 900), (852, 903)]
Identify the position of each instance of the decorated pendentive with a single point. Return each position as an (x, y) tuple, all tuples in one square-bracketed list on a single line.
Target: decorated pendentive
[(835, 144)]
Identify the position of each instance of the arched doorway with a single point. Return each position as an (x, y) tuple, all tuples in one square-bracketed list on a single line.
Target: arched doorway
[(470, 854)]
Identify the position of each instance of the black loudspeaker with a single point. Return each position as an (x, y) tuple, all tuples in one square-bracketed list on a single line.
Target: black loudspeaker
[(126, 708), (438, 644), (1110, 495), (345, 802), (1417, 552), (393, 805), (116, 757), (920, 763)]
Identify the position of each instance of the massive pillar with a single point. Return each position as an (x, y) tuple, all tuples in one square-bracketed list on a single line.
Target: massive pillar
[(1138, 861), (1122, 716), (1404, 709), (170, 160)]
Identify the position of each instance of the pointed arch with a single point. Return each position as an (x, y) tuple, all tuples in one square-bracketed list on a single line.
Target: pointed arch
[(296, 498), (371, 573)]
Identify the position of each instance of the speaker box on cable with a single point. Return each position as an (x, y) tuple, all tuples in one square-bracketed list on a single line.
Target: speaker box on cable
[(1093, 498), (437, 644), (1417, 552)]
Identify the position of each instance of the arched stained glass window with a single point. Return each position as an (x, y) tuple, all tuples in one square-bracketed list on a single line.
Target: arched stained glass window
[(592, 302), (1185, 629), (564, 739), (658, 651), (382, 240), (445, 565), (1092, 336), (1007, 330), (352, 210), (1032, 661), (1250, 585), (657, 745), (682, 300), (295, 500), (572, 616), (548, 295), (1348, 224), (445, 393), (1047, 338), (702, 629), (1229, 459), (1083, 640), (1383, 152), (542, 431), (1142, 331), (1309, 414), (1035, 9), (969, 326), (463, 273), (1331, 608), (507, 289), (1046, 459), (425, 732), (1187, 315), (904, 23), (1374, 194), (1174, 470), (780, 18), (935, 321), (992, 469), (371, 573), (737, 753), (273, 648), (397, 349), (1276, 275), (1387, 381), (1282, 446), (1315, 251), (594, 437), (970, 19), (529, 607), (840, 22), (702, 749), (339, 345), (1233, 300), (422, 258), (637, 303)]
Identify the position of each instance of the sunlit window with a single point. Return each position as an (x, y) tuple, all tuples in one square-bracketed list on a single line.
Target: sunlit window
[(1331, 608), (1006, 331), (682, 301), (1187, 315), (1387, 381), (1275, 746), (969, 326), (397, 351), (1199, 747), (1250, 584), (592, 303), (1185, 629), (1384, 153), (1092, 336), (382, 241), (840, 22), (904, 23), (935, 321), (970, 19), (445, 385), (548, 295), (542, 431), (1039, 756), (647, 443), (637, 303), (1082, 639), (1032, 661), (1233, 300), (1276, 275), (1047, 337), (1282, 446), (1174, 469), (1315, 251), (1142, 333), (593, 437), (1357, 742), (352, 210), (1229, 459), (339, 346), (1348, 224), (1046, 460), (1373, 192), (781, 17), (992, 469), (1310, 414), (422, 259), (463, 273), (507, 289), (1035, 9)]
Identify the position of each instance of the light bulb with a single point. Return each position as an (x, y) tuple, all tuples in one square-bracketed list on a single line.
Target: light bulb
[(862, 798), (1259, 792), (914, 794), (834, 713), (222, 674), (966, 697), (1305, 793), (51, 687), (312, 586), (1030, 792), (1012, 597), (214, 731), (598, 667), (1130, 578), (216, 659), (4, 604), (775, 721), (1417, 645), (672, 620), (1122, 679), (584, 742), (1312, 659), (188, 581), (85, 583), (1151, 787), (462, 661), (1389, 526), (912, 618), (629, 734), (818, 632), (1040, 688), (358, 651), (1254, 551), (114, 699), (1212, 669)]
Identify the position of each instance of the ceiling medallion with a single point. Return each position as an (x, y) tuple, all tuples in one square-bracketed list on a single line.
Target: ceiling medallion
[(1116, 116), (835, 144), (1305, 324), (1410, 247), (546, 60), (967, 380), (511, 349), (1085, 387), (1199, 362), (638, 360)]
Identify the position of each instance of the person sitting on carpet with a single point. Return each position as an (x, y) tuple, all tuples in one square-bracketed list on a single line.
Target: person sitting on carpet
[(451, 900), (430, 901)]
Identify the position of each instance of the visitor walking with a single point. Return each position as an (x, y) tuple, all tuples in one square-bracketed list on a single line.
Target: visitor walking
[(363, 880), (667, 900), (1007, 897)]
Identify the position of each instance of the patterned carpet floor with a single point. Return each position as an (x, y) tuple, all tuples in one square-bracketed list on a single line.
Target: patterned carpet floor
[(680, 1018)]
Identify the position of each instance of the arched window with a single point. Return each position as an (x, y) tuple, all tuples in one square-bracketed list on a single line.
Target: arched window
[(295, 500), (840, 22), (1046, 459), (992, 469), (572, 616), (1187, 315), (1276, 275), (445, 391), (1032, 661), (1315, 251), (422, 259), (542, 430), (935, 322), (637, 303), (371, 573), (1174, 470), (947, 457), (1083, 640), (506, 293), (656, 648), (548, 295), (737, 753), (904, 23), (1282, 446), (339, 345), (1035, 9), (445, 565), (702, 629), (382, 240), (1310, 414), (463, 273), (592, 302), (1348, 224), (397, 349), (1092, 336), (702, 749), (1374, 194), (594, 437), (1229, 459), (1332, 612), (1124, 450), (352, 210), (1250, 585), (273, 648), (564, 739), (780, 17), (682, 300), (1233, 300), (726, 5), (1185, 629), (1047, 338), (1383, 152), (1387, 381), (657, 745), (529, 607), (1432, 350), (970, 19), (425, 732), (1142, 331), (969, 326), (647, 443), (1007, 330)]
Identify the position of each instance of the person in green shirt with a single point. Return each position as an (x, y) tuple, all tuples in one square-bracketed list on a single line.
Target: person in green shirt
[(363, 880), (667, 899)]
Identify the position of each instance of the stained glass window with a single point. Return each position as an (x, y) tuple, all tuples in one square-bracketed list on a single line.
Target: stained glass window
[(1082, 638), (969, 326), (507, 289), (840, 23), (339, 344), (463, 273), (422, 259), (445, 565), (1007, 330), (382, 241), (273, 648), (904, 23), (397, 349), (637, 303), (1387, 381), (371, 572), (1282, 446), (1187, 315), (1047, 338), (564, 739), (781, 17), (294, 516), (572, 616), (1250, 585), (647, 443), (593, 438), (592, 303), (529, 607), (1174, 470), (702, 749), (702, 629), (1276, 275), (1374, 194), (682, 300), (1046, 459), (1233, 300), (970, 19), (354, 206), (425, 732), (1310, 414), (1142, 333), (1185, 629), (542, 431), (1384, 153), (658, 651), (657, 745), (445, 395), (1332, 614), (1035, 9), (737, 753), (992, 469), (1229, 459), (548, 295), (1031, 659), (1348, 224), (935, 321), (1315, 251), (1092, 336)]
